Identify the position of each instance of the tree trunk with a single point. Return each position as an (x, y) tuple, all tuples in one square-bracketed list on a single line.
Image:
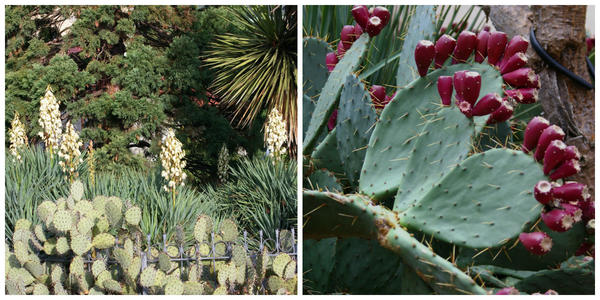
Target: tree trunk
[(560, 30)]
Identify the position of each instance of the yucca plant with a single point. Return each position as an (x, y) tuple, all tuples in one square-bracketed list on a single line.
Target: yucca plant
[(256, 68)]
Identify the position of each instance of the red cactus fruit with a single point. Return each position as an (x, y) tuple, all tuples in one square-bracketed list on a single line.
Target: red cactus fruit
[(341, 50), (332, 120), (516, 44), (558, 220), (572, 153), (566, 169), (588, 209), (503, 113), (495, 47), (445, 89), (443, 47), (549, 134), (331, 60), (358, 31), (482, 41), (508, 291), (459, 81), (465, 108), (424, 54), (551, 292), (533, 131), (573, 210), (466, 43), (347, 36), (542, 192), (554, 155), (486, 28), (487, 104), (515, 62), (571, 191), (515, 95), (538, 243), (382, 13), (524, 77), (374, 26), (471, 87), (590, 43), (529, 95), (378, 95), (584, 248), (361, 15)]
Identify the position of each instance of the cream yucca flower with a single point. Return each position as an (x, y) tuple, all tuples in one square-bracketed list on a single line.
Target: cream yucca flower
[(171, 157), (69, 153), (50, 120), (275, 134), (18, 137)]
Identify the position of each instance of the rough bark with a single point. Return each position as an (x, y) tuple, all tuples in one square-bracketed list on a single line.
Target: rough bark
[(561, 31)]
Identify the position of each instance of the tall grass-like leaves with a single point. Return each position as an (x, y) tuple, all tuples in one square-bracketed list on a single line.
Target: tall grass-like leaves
[(37, 178), (256, 68), (261, 194)]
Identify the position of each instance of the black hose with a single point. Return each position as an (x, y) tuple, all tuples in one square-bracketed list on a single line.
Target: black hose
[(591, 68), (546, 57)]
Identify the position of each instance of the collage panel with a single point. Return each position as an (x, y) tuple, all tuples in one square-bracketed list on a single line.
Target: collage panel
[(448, 150), (151, 150)]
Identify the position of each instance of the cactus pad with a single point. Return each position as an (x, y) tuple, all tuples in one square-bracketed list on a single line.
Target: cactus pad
[(77, 190), (103, 241), (133, 216)]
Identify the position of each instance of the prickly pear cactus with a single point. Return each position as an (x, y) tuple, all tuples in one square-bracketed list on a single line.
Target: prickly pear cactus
[(436, 176)]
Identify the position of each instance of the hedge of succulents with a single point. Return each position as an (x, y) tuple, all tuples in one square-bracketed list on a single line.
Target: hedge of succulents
[(95, 246), (426, 190)]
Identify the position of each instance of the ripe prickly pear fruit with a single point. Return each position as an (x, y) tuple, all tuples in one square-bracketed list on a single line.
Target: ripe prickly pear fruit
[(533, 131), (584, 248), (573, 210), (571, 191), (445, 89), (588, 209), (528, 95), (515, 62), (466, 43), (487, 104), (517, 44), (332, 120), (515, 95), (566, 169), (374, 26), (347, 36), (465, 108), (378, 95), (459, 81), (382, 13), (549, 134), (424, 54), (495, 47), (538, 243), (542, 192), (482, 41), (572, 153), (503, 113), (524, 77), (443, 48), (554, 155), (508, 291), (471, 87), (341, 50), (361, 15), (331, 60), (358, 31), (558, 220)]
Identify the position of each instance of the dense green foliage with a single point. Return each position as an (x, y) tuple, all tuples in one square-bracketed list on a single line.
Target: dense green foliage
[(125, 73)]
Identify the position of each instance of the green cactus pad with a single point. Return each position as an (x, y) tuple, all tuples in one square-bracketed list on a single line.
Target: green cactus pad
[(275, 283), (62, 220), (98, 267), (102, 224), (355, 122), (133, 216), (147, 277), (229, 230), (112, 286), (57, 274), (193, 288), (164, 262), (77, 190), (314, 51), (23, 224), (50, 246), (77, 266), (221, 290), (39, 232), (135, 267), (40, 289), (15, 287), (62, 245), (577, 279), (202, 228), (84, 207), (290, 270), (113, 211), (318, 260), (102, 277), (469, 206), (422, 26), (390, 151), (45, 211), (326, 155), (286, 241), (324, 180), (329, 94), (280, 262), (80, 244), (174, 286), (160, 278), (122, 257), (238, 255), (103, 241), (35, 268)]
